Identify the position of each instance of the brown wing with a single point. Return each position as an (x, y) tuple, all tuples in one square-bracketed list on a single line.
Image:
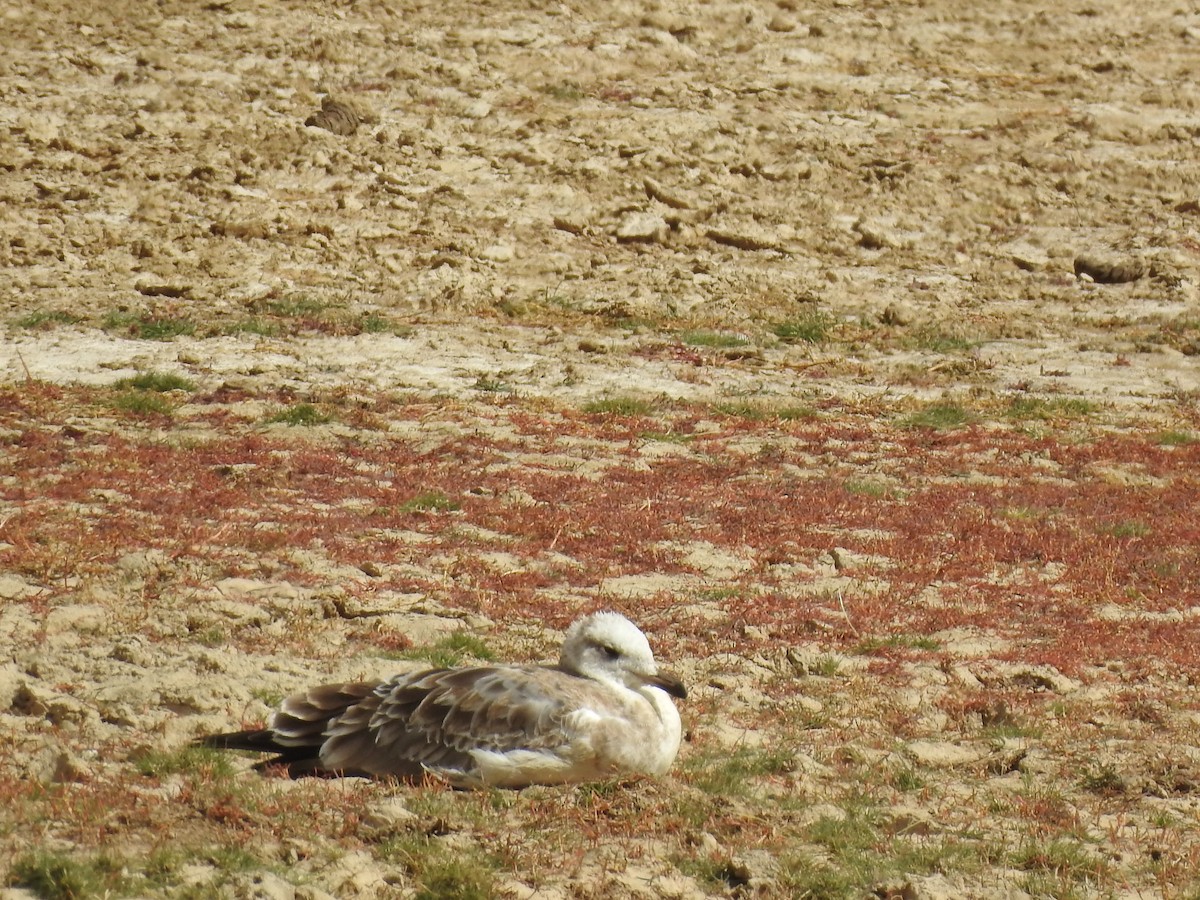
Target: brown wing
[(434, 718), (297, 730)]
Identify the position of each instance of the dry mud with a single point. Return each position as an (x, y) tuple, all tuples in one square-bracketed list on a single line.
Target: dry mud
[(774, 234)]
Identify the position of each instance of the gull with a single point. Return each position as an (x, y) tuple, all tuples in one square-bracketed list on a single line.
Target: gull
[(605, 710)]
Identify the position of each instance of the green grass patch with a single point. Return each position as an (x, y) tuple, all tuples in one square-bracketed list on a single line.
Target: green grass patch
[(1039, 409), (253, 325), (862, 488), (57, 876), (1069, 861), (668, 437), (299, 414), (452, 650), (297, 307), (811, 327), (620, 406), (148, 328), (939, 416), (872, 645), (717, 340), (430, 501), (751, 412), (161, 382), (375, 324), (1104, 780), (187, 760), (1129, 529), (728, 774), (440, 873), (141, 403), (43, 319), (1174, 438)]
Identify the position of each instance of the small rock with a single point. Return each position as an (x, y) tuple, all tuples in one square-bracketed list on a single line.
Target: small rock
[(942, 754), (743, 239), (498, 253), (662, 194), (899, 314), (387, 815), (85, 618), (142, 564), (782, 23), (1109, 270), (477, 109), (14, 587), (642, 227)]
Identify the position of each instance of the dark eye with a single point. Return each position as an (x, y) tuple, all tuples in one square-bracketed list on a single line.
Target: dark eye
[(610, 652)]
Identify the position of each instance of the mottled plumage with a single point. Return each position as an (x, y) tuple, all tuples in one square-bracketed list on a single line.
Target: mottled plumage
[(604, 710)]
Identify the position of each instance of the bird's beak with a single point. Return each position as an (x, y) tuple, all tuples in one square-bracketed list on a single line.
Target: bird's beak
[(668, 683)]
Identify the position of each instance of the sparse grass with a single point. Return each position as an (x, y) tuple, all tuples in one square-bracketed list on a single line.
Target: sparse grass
[(452, 650), (148, 328), (716, 340), (42, 319), (430, 501), (939, 416), (876, 489), (668, 437), (1039, 409), (140, 403), (871, 645), (491, 385), (253, 325), (810, 327), (187, 760), (935, 340), (1175, 438), (796, 414), (62, 876), (298, 307), (266, 696), (59, 876), (752, 412), (1103, 779), (1024, 556), (375, 324), (620, 406), (729, 773), (1129, 529), (1066, 859), (299, 414), (162, 382), (441, 873)]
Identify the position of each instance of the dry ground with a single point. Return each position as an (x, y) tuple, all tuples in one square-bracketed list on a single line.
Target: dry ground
[(849, 347)]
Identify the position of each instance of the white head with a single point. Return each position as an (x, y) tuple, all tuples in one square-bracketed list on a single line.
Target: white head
[(606, 646)]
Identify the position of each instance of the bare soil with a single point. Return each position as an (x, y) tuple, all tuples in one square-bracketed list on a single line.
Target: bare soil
[(849, 347)]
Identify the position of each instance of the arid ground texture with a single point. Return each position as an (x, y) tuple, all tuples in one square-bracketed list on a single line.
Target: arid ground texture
[(849, 347)]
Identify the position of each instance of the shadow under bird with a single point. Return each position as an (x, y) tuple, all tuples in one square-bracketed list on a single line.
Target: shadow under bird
[(604, 710)]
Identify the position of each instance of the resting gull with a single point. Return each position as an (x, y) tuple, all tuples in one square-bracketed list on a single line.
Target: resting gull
[(604, 710)]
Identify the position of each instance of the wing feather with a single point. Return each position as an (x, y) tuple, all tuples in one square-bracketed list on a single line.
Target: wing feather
[(437, 718)]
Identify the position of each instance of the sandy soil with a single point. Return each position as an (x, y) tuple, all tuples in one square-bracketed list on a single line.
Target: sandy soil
[(653, 306)]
